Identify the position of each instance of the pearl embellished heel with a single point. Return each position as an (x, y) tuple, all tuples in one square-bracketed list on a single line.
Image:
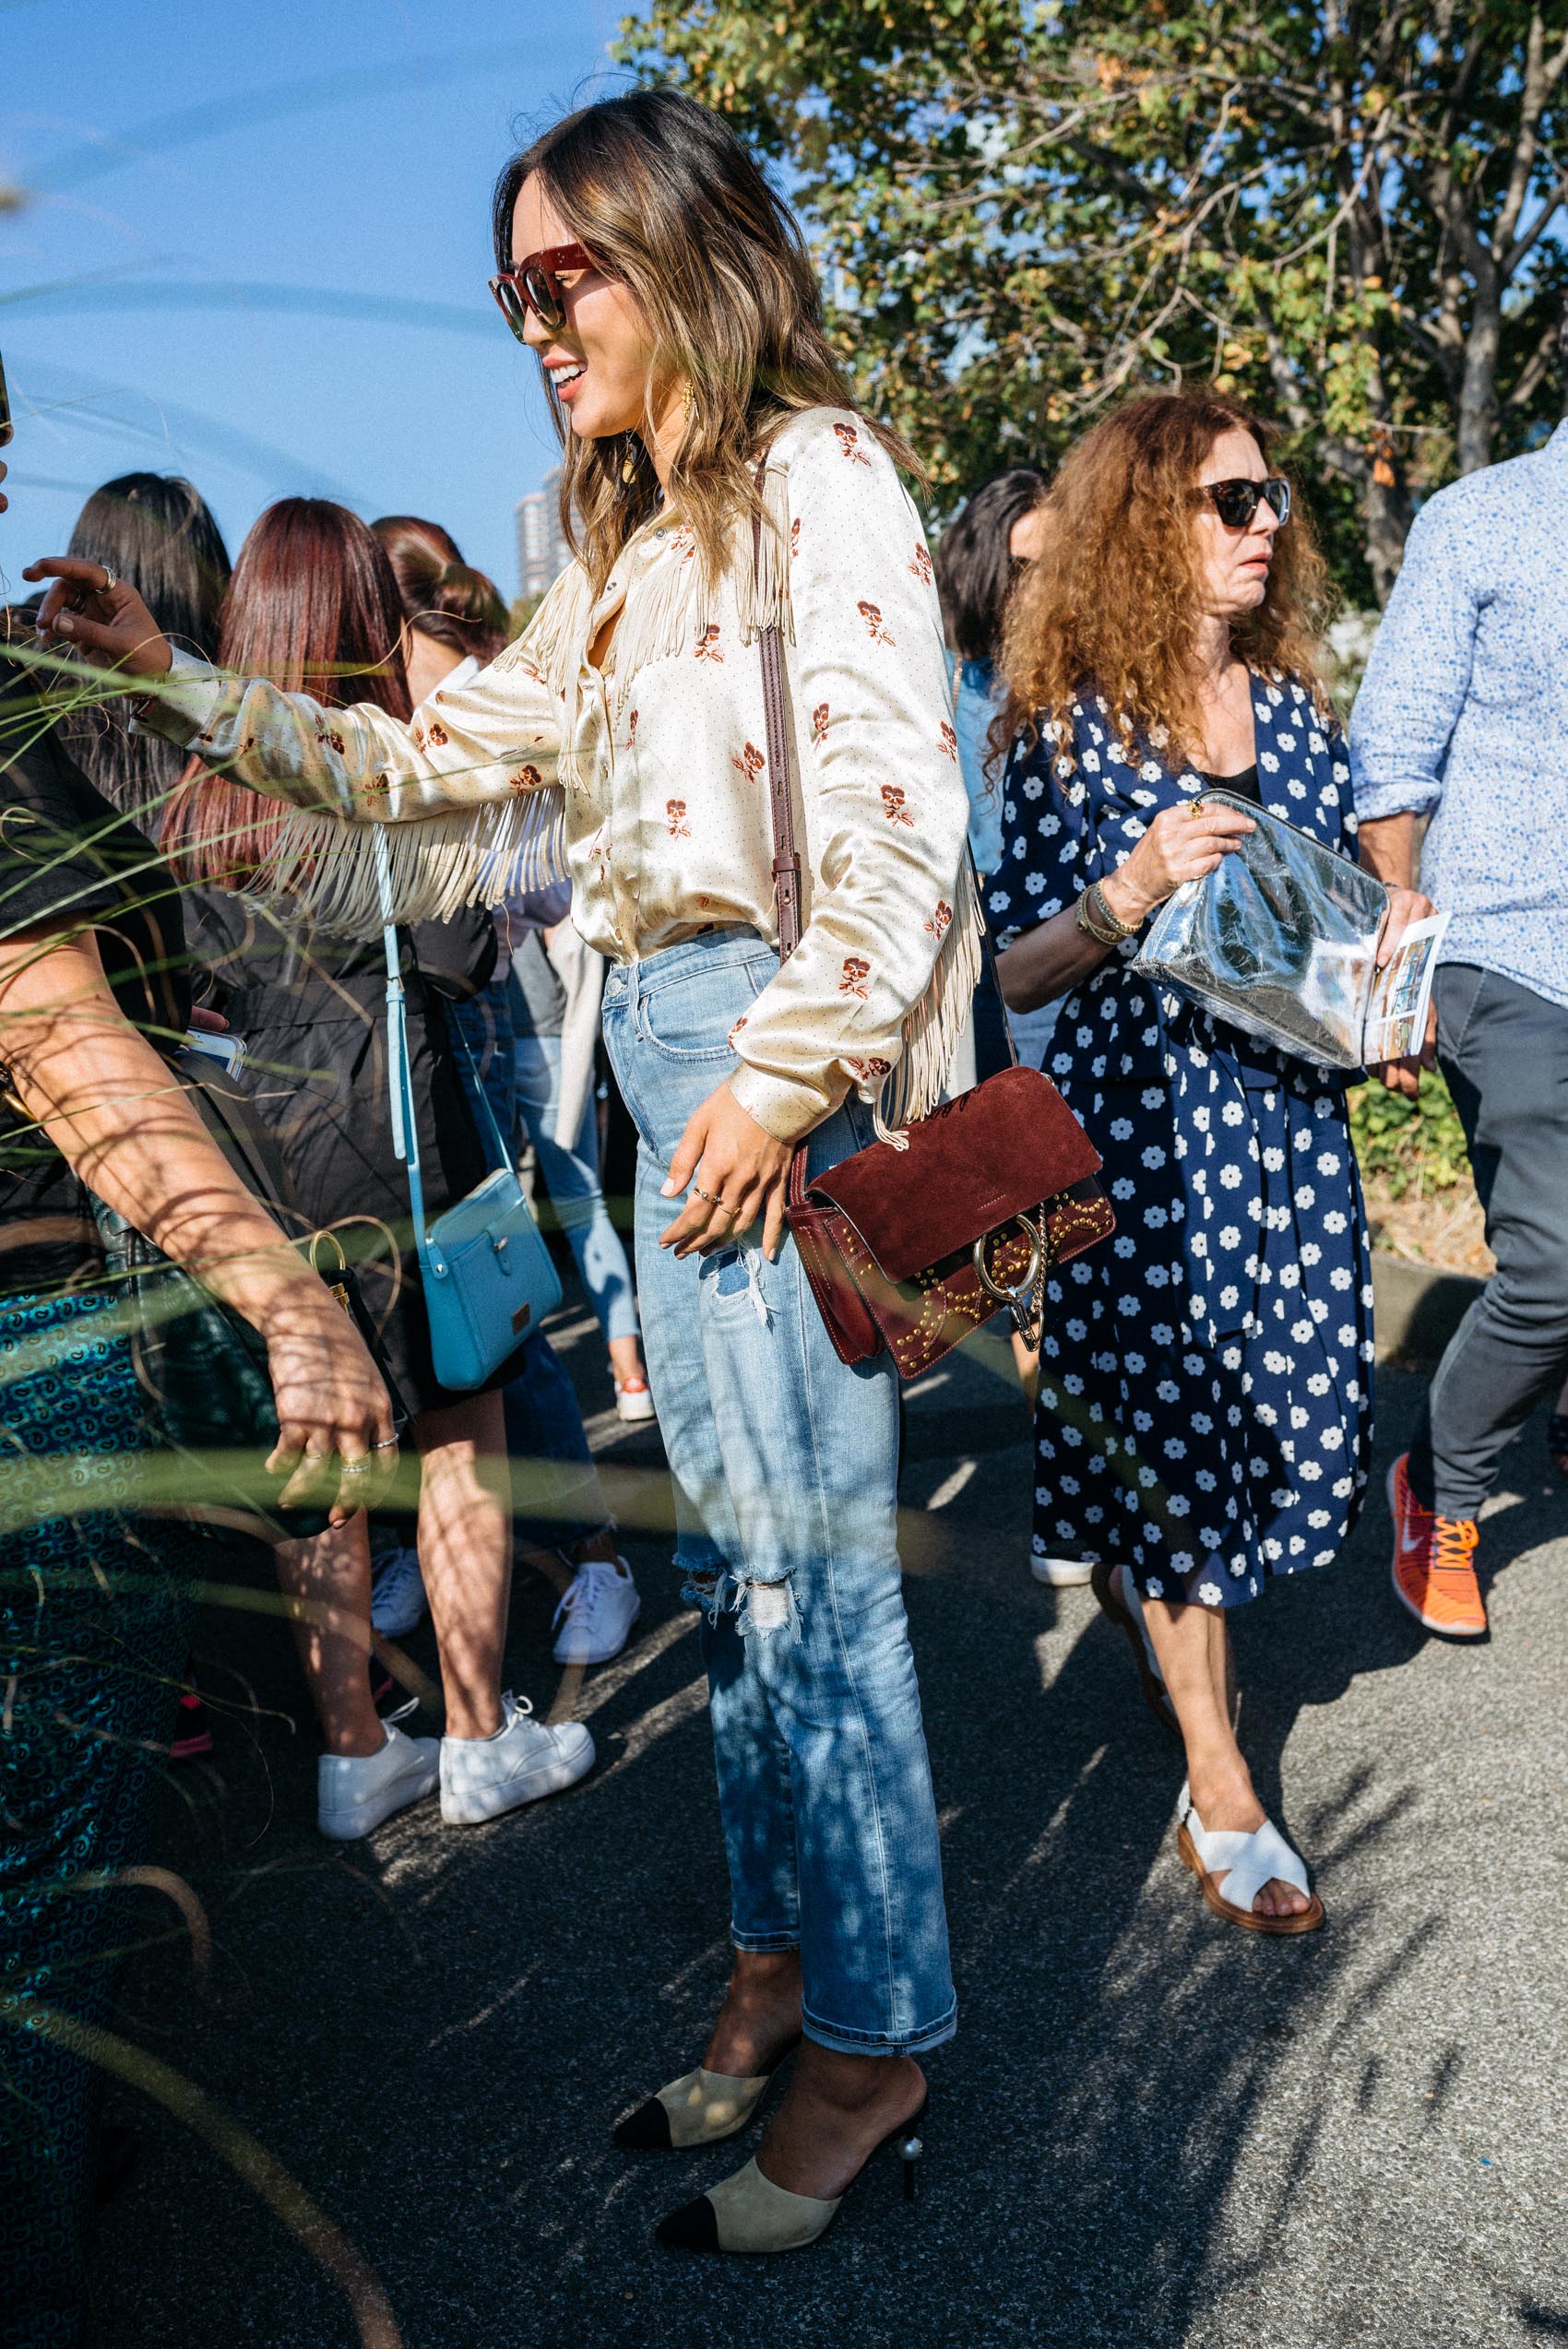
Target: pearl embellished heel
[(748, 2214)]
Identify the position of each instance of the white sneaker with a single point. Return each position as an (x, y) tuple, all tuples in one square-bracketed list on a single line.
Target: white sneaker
[(482, 1778), (356, 1792), (634, 1401), (398, 1602), (1061, 1574), (601, 1604)]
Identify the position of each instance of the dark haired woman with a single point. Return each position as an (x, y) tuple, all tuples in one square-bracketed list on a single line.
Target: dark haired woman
[(313, 605), (156, 530), (1205, 1409), (96, 1581), (454, 624), (670, 300), (980, 557)]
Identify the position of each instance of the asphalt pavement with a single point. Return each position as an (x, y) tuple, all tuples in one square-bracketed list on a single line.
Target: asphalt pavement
[(383, 2114)]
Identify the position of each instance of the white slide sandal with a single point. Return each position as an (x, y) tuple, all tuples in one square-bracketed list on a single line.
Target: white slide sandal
[(1244, 1864)]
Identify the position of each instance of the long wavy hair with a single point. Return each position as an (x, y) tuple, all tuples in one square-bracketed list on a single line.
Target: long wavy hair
[(664, 195), (443, 596), (156, 530), (313, 606), (1115, 600)]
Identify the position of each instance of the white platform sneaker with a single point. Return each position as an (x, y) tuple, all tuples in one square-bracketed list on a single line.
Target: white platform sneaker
[(356, 1792), (596, 1611), (484, 1778), (1061, 1574)]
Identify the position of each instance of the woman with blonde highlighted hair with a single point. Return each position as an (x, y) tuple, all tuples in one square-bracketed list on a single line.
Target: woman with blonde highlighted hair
[(1205, 1406), (720, 482)]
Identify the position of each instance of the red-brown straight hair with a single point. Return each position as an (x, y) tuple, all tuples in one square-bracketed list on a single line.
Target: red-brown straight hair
[(314, 607)]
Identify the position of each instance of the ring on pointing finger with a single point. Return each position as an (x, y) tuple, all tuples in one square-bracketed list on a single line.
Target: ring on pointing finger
[(110, 580), (1194, 807), (390, 1445)]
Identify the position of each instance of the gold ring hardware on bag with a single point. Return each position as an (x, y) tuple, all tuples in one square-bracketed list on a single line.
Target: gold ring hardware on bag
[(337, 1289), (1020, 1299)]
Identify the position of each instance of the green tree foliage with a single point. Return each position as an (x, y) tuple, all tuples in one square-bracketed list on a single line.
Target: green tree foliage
[(1345, 211)]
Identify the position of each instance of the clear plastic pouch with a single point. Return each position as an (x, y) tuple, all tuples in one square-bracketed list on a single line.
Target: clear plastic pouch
[(1279, 941)]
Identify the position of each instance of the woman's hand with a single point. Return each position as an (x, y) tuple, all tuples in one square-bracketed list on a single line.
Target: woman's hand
[(88, 607), (333, 1416), (737, 1172), (1405, 907), (1181, 844)]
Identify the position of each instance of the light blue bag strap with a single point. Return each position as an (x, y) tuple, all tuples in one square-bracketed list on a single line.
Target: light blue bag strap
[(405, 1123)]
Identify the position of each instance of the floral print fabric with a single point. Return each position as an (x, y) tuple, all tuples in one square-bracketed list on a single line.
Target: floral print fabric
[(661, 754), (1205, 1394)]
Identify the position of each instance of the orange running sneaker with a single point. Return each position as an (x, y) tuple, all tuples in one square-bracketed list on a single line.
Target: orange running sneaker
[(1433, 1573)]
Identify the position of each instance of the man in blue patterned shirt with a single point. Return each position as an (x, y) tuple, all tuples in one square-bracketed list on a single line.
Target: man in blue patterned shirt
[(1463, 716)]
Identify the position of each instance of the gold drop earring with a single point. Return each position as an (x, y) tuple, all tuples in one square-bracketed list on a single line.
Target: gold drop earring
[(628, 464)]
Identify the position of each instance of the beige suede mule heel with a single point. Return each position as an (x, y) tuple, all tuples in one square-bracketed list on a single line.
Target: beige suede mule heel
[(700, 2108), (748, 2213)]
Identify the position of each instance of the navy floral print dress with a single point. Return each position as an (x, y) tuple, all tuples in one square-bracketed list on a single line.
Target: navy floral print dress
[(1205, 1407)]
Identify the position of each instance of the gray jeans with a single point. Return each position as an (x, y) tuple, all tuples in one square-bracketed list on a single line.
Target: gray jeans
[(1505, 1051)]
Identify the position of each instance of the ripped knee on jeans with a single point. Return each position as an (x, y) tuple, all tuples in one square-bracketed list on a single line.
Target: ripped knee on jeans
[(761, 1609)]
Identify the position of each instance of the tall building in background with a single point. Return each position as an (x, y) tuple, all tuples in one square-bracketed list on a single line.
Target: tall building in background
[(542, 552)]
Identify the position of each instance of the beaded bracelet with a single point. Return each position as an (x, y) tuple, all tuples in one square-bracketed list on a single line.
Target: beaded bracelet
[(1112, 921), (1084, 914)]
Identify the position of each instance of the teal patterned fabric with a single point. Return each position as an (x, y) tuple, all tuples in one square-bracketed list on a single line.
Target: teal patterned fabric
[(93, 1607)]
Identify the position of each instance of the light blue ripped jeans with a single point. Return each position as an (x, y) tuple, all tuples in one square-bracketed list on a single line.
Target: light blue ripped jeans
[(786, 1466)]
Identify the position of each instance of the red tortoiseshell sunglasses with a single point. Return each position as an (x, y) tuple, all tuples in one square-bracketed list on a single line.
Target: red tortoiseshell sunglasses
[(530, 284)]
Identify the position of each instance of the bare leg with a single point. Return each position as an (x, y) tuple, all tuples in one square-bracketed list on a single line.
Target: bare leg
[(836, 2112), (760, 2015), (328, 1584), (465, 1535), (1191, 1646), (626, 1358)]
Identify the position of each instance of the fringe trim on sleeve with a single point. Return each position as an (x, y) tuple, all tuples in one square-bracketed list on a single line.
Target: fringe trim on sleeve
[(933, 1029), (439, 864), (762, 587)]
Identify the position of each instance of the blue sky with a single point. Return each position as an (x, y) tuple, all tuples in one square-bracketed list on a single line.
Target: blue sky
[(254, 251)]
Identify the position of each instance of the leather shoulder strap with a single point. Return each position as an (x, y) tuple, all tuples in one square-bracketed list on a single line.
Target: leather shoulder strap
[(780, 792)]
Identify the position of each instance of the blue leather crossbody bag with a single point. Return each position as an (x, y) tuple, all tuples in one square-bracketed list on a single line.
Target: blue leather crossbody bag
[(489, 1282)]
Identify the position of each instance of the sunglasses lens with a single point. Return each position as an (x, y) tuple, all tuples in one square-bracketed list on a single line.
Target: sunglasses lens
[(1278, 496), (510, 303), (545, 299), (1236, 503)]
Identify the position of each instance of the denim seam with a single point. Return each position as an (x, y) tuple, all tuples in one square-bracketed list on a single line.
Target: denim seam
[(919, 2041), (804, 1301)]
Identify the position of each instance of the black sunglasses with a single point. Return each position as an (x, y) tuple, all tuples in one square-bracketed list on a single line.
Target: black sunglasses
[(1237, 502)]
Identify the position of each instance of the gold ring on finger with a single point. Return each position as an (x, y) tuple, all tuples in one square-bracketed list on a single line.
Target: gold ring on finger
[(1194, 807), (711, 1196)]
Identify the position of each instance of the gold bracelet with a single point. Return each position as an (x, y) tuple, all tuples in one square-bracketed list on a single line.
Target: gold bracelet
[(1086, 922), (1103, 905)]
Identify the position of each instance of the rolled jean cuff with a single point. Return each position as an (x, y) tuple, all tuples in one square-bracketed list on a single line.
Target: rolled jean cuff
[(876, 2043), (765, 1944)]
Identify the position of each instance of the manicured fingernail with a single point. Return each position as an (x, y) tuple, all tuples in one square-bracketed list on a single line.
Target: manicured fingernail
[(66, 625), (668, 1190)]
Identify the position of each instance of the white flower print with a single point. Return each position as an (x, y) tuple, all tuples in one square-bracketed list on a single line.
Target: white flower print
[(1209, 1594)]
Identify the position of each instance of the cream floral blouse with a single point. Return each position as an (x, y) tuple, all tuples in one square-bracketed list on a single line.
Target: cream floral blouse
[(649, 780)]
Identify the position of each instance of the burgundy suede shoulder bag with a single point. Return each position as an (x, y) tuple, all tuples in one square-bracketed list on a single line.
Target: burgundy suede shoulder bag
[(911, 1250)]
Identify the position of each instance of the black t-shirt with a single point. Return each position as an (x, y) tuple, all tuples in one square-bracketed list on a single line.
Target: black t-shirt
[(70, 861)]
